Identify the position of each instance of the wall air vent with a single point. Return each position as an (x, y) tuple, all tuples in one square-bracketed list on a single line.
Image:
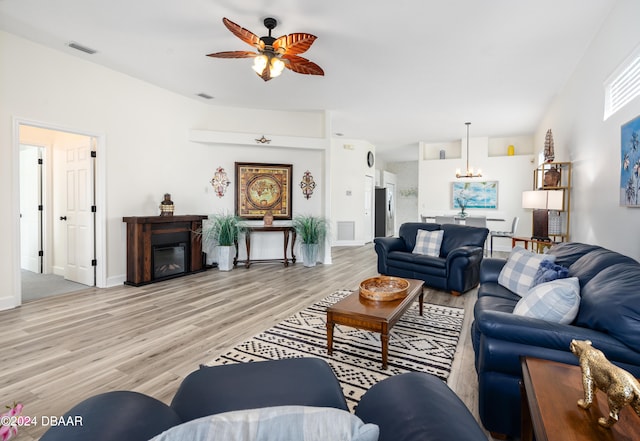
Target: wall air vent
[(87, 50), (205, 96)]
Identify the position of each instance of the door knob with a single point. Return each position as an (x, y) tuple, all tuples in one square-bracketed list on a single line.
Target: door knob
[(63, 217)]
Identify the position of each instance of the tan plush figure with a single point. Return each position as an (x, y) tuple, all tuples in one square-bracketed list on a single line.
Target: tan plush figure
[(598, 372)]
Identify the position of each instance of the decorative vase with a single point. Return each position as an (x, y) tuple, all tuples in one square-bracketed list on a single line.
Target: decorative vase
[(225, 257), (309, 254)]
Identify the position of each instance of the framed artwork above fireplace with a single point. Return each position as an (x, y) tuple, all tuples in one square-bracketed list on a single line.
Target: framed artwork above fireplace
[(261, 188)]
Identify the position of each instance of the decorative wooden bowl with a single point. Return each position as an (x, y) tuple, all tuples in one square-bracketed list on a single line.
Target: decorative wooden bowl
[(384, 288)]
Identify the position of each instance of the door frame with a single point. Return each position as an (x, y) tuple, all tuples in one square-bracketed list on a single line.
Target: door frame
[(100, 196)]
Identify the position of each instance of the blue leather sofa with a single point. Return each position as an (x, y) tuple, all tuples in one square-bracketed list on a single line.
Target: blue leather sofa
[(407, 407), (457, 269), (609, 316)]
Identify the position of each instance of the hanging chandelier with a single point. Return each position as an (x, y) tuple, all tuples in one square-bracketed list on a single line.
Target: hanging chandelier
[(469, 173)]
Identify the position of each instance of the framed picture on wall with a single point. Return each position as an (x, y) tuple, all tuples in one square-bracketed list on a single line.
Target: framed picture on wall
[(630, 163), (475, 194), (261, 188)]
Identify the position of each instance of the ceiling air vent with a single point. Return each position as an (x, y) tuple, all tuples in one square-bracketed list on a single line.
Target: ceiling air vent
[(79, 47), (205, 96)]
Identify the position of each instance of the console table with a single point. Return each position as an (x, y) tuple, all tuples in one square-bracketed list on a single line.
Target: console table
[(286, 230)]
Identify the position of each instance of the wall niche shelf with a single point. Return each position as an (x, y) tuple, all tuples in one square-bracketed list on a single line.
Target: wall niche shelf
[(523, 146), (431, 151)]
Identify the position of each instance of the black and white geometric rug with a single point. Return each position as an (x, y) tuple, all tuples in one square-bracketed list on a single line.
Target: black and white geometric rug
[(424, 343)]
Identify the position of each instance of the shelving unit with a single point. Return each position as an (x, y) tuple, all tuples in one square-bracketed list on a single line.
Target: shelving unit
[(556, 176)]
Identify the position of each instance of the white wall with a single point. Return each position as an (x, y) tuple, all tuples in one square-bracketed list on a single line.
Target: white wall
[(593, 145), (348, 169), (513, 173), (147, 151)]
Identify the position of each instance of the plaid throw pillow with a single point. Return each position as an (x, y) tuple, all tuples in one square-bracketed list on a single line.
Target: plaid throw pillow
[(557, 301), (518, 273), (428, 242)]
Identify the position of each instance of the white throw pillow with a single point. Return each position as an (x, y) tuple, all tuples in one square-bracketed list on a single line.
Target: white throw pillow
[(428, 242), (279, 423), (518, 273), (557, 301)]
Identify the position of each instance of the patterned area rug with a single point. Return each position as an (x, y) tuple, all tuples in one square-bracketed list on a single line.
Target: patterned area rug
[(424, 343)]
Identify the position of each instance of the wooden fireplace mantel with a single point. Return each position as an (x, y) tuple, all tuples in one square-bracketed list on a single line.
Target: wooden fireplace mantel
[(145, 231)]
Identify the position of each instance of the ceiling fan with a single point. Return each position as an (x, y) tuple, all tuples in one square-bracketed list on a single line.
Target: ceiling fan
[(274, 54)]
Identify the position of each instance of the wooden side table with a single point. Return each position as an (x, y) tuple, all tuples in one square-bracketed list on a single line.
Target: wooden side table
[(537, 246), (550, 393)]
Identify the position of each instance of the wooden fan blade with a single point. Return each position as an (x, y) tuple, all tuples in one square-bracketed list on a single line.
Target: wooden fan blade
[(302, 65), (233, 54), (294, 43), (243, 34)]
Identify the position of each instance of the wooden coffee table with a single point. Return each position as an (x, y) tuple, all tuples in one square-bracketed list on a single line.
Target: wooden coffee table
[(373, 316), (550, 394)]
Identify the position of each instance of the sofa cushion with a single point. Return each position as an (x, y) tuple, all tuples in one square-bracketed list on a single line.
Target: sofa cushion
[(611, 303), (520, 269), (282, 423), (556, 301), (428, 242), (304, 381), (568, 252), (589, 265), (456, 236), (548, 271), (409, 230)]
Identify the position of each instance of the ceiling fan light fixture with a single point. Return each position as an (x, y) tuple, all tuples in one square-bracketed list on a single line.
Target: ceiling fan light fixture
[(277, 66), (260, 63), (274, 54)]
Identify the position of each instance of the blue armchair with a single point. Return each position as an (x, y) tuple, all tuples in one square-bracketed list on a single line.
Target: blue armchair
[(456, 269)]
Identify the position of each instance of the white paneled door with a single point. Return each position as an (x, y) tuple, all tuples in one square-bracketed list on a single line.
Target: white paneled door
[(30, 213), (79, 216)]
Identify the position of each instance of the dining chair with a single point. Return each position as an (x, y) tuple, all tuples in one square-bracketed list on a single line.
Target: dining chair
[(492, 234), (476, 221), (445, 220)]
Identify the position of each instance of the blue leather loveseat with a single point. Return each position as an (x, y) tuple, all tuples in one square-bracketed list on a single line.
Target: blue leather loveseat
[(608, 315), (407, 407), (455, 269)]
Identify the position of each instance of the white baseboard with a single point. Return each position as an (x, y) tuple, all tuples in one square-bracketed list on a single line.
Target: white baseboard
[(347, 243), (115, 281)]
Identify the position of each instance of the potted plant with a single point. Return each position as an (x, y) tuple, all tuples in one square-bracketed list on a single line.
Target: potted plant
[(311, 230), (222, 231)]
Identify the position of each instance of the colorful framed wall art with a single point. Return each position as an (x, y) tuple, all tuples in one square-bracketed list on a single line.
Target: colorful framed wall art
[(630, 163), (261, 188), (475, 194)]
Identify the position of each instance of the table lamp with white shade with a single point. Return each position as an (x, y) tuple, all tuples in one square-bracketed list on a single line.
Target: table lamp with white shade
[(541, 201)]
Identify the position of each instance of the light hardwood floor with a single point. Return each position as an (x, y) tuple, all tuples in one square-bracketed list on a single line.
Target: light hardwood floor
[(60, 350)]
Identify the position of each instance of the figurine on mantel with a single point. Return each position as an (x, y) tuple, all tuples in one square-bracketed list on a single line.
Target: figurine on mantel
[(166, 206)]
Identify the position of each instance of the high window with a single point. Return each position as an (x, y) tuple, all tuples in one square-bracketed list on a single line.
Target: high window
[(623, 85)]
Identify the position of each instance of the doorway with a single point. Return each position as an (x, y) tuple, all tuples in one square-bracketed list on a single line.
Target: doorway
[(58, 233)]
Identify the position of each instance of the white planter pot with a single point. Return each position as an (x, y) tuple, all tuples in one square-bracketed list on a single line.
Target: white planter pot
[(225, 257), (309, 253)]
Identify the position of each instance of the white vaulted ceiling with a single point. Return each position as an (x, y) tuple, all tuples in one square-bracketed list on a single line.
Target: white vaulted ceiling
[(395, 72)]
